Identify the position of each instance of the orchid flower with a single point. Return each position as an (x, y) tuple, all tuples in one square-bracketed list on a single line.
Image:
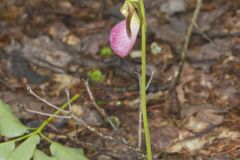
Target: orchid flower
[(122, 39), (124, 34)]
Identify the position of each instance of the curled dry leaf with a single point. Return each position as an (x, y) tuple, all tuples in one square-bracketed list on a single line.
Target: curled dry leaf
[(194, 144), (89, 116), (201, 117), (164, 136)]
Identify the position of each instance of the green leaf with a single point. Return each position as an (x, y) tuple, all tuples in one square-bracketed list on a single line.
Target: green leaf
[(6, 149), (96, 75), (25, 150), (66, 153), (106, 52), (114, 121), (155, 48), (39, 155), (10, 126)]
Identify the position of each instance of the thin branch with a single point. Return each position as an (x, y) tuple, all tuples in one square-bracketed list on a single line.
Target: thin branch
[(72, 115), (150, 96), (94, 130), (202, 32), (140, 108), (68, 99), (175, 106), (79, 120), (150, 80), (100, 110), (45, 101), (116, 153), (46, 114), (186, 42)]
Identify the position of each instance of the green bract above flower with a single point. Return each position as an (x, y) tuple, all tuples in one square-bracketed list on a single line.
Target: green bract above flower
[(124, 34)]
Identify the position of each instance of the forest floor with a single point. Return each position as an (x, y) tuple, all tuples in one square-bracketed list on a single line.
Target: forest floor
[(53, 45)]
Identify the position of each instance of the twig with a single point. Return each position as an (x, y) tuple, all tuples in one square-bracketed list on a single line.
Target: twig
[(217, 34), (94, 130), (101, 111), (68, 99), (150, 96), (178, 73), (76, 118), (46, 114), (186, 42), (202, 32), (44, 101), (150, 79), (116, 153), (140, 108), (107, 137)]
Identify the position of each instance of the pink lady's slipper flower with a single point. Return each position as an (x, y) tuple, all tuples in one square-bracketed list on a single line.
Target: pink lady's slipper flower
[(124, 34)]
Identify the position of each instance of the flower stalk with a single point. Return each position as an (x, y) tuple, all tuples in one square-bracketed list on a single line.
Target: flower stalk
[(122, 39), (143, 82)]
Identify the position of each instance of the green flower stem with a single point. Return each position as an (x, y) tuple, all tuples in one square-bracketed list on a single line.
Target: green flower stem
[(46, 122), (143, 83)]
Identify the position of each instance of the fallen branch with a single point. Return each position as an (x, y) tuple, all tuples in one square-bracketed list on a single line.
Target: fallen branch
[(175, 106), (72, 115)]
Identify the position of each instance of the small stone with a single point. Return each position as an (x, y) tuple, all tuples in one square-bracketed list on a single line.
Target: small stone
[(104, 157), (42, 50), (155, 48), (65, 4), (136, 54), (58, 30), (173, 6), (71, 40)]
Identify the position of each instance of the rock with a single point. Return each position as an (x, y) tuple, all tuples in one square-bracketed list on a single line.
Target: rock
[(42, 51), (173, 6), (89, 116), (103, 157)]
